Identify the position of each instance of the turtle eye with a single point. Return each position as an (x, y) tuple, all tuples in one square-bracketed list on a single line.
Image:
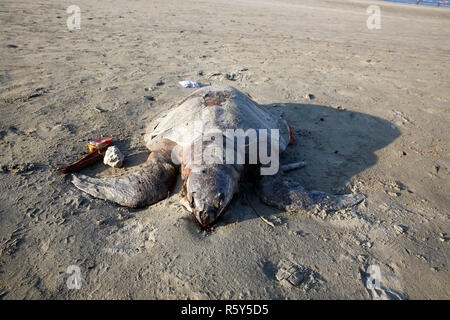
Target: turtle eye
[(220, 199), (191, 200)]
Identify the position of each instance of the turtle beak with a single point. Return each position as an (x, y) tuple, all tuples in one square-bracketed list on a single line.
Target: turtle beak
[(209, 189), (210, 213), (205, 217)]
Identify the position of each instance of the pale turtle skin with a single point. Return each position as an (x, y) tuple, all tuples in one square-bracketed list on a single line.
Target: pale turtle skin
[(208, 188)]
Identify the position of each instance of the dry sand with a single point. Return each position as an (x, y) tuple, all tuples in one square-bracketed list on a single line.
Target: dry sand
[(379, 124)]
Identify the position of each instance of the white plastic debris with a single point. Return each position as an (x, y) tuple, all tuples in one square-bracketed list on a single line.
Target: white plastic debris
[(189, 84), (113, 157)]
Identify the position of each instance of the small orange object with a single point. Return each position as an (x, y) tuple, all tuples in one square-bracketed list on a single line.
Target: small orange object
[(98, 144), (291, 135), (96, 153)]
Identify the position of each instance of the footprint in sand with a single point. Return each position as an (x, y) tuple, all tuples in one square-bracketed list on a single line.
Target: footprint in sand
[(131, 239)]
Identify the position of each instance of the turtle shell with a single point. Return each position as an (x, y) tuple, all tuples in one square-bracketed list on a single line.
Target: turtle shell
[(214, 109)]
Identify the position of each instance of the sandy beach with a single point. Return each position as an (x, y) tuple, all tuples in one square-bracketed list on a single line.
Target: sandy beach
[(370, 110)]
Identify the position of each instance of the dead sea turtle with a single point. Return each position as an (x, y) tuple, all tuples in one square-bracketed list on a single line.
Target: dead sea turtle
[(201, 125)]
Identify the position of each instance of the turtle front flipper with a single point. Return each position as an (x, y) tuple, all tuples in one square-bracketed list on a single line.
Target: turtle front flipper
[(146, 186), (290, 196)]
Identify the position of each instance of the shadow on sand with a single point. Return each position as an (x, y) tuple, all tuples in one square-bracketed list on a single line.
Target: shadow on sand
[(336, 144)]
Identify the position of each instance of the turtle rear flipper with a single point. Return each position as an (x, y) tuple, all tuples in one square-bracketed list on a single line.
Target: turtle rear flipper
[(290, 196), (146, 186), (141, 188)]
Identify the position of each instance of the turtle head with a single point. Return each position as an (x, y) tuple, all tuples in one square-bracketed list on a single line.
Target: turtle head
[(209, 189)]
